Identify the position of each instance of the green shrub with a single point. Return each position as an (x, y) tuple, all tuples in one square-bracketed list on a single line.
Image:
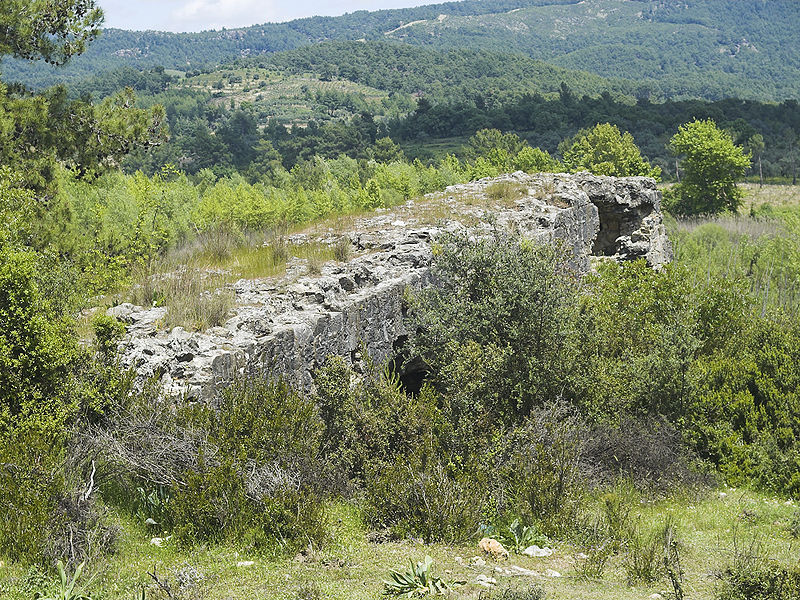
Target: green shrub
[(751, 577), (537, 466), (245, 469), (427, 500), (509, 303), (46, 383), (643, 559), (369, 419), (108, 332), (46, 514), (603, 150), (524, 591), (261, 485), (37, 351)]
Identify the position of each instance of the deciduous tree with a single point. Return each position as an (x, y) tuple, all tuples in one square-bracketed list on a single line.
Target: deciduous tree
[(604, 150), (711, 164)]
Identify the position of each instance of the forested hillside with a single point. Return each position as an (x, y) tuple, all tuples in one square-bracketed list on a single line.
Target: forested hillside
[(700, 48)]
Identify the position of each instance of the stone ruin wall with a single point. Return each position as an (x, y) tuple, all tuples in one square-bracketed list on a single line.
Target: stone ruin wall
[(290, 325)]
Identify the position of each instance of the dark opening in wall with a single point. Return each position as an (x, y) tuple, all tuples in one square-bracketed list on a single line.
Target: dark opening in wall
[(412, 373), (616, 221)]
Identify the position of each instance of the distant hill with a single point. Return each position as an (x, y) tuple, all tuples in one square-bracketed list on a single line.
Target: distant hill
[(693, 48), (452, 75)]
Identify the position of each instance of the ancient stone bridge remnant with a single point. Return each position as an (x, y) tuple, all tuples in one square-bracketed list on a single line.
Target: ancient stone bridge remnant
[(290, 325)]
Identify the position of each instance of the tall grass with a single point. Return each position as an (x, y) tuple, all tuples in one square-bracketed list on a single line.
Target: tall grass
[(196, 299), (764, 251)]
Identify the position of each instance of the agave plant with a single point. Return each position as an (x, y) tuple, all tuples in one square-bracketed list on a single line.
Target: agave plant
[(418, 581), (68, 588)]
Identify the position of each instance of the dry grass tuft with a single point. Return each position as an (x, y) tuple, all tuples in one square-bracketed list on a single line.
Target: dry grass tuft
[(506, 192), (196, 299)]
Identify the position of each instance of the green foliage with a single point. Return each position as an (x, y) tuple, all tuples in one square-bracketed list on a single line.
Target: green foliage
[(712, 164), (365, 419), (794, 525), (537, 465), (37, 350), (528, 591), (517, 537), (258, 486), (39, 30), (643, 560), (494, 331), (426, 498), (41, 131), (603, 150), (417, 581), (17, 210), (535, 160), (48, 509), (108, 331), (686, 50), (750, 576), (68, 587), (633, 323), (31, 485)]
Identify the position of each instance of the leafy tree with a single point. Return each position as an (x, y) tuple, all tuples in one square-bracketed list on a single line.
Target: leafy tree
[(487, 140), (712, 164), (535, 160), (385, 150), (17, 209), (50, 30), (603, 150), (495, 329)]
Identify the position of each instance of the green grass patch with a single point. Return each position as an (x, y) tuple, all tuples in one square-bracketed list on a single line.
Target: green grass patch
[(349, 566)]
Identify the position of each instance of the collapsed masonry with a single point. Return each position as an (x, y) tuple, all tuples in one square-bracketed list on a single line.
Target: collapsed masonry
[(290, 325)]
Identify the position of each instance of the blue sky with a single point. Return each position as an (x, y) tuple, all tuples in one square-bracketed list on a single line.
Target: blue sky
[(197, 15)]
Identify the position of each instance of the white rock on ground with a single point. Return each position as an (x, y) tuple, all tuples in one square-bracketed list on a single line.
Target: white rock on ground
[(536, 552)]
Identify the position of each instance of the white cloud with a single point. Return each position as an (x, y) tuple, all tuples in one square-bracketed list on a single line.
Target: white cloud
[(215, 14), (197, 15)]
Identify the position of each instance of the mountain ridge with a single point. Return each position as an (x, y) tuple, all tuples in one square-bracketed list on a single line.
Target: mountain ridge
[(708, 49)]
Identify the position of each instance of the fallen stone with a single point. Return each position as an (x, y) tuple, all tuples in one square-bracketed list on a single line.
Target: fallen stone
[(537, 552), (516, 571), (551, 573), (477, 562), (245, 563), (485, 581)]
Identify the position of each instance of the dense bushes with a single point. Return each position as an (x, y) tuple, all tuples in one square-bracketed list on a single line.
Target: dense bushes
[(244, 470), (36, 352), (494, 328), (48, 383), (541, 386), (750, 576)]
